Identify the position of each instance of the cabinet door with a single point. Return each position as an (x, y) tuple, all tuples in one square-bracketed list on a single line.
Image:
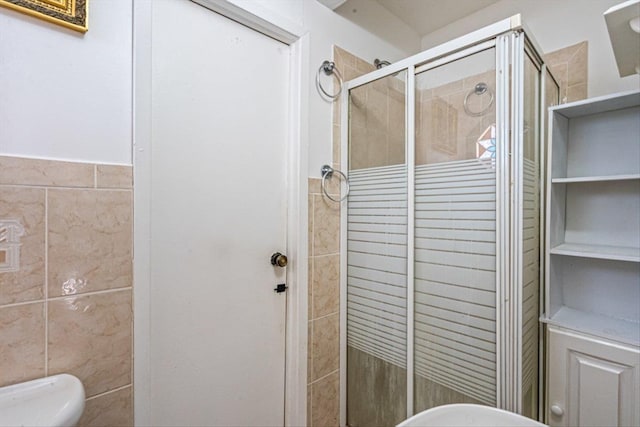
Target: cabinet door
[(592, 382)]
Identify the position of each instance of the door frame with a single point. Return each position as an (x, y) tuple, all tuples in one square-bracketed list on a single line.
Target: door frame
[(268, 22)]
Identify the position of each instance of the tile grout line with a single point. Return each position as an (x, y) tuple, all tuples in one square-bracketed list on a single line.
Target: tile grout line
[(327, 315), (83, 294), (46, 281), (324, 377), (104, 393), (58, 298), (312, 216), (327, 255), (63, 187)]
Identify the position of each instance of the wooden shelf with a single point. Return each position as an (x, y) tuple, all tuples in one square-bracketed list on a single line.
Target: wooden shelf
[(607, 327), (618, 253), (599, 104), (601, 178)]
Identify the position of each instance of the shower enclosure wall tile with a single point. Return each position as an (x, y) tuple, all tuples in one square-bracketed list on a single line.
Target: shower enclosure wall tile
[(336, 145), (310, 289), (326, 345), (577, 92), (22, 171), (362, 66), (22, 343), (325, 401), (377, 111), (358, 153), (326, 226), (336, 112), (309, 414), (90, 241), (376, 390), (376, 147), (577, 65), (309, 352), (569, 66), (447, 89), (326, 285), (114, 176), (90, 337), (26, 205), (445, 132), (344, 58), (112, 409), (357, 108), (314, 188)]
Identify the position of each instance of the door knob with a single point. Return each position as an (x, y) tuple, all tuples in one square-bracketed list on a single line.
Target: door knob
[(557, 410), (279, 260)]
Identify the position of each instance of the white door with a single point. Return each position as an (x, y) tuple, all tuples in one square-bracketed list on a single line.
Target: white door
[(218, 212)]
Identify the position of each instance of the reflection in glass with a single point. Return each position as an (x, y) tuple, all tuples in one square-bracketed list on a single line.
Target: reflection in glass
[(455, 244), (377, 255)]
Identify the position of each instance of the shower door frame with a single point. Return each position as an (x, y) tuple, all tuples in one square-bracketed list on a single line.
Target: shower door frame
[(512, 42)]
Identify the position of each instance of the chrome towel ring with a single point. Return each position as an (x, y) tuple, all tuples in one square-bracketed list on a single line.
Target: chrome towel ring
[(327, 172), (329, 68), (479, 90)]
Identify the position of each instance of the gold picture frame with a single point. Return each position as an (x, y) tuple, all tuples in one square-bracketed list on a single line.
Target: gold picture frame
[(68, 13)]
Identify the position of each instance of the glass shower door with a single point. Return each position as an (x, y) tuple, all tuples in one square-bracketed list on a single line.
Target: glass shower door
[(455, 233), (377, 254)]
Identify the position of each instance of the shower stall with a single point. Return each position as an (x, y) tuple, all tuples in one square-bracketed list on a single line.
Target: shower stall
[(440, 285)]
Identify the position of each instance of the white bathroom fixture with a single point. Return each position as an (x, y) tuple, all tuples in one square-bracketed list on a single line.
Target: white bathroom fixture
[(468, 415), (623, 23), (54, 401)]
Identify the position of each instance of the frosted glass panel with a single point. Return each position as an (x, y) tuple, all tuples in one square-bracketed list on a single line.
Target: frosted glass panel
[(455, 244), (377, 255)]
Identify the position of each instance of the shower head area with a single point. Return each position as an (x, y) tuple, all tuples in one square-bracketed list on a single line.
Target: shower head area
[(435, 235), (379, 63)]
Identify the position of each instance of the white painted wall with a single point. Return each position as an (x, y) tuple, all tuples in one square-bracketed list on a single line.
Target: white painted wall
[(64, 95), (555, 24), (377, 19)]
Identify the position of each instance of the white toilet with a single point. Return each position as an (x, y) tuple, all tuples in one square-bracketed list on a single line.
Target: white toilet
[(468, 415), (54, 401)]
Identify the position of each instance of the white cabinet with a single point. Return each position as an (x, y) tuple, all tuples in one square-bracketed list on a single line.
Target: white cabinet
[(592, 262), (592, 382), (592, 274)]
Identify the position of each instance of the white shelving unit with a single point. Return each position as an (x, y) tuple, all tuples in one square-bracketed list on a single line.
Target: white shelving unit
[(592, 274), (593, 218)]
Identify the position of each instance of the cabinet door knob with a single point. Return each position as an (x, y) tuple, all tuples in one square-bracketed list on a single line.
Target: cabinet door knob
[(557, 410)]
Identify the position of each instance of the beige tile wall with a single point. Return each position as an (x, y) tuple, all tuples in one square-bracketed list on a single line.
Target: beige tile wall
[(323, 390), (444, 131), (377, 133), (69, 307), (570, 66), (323, 376)]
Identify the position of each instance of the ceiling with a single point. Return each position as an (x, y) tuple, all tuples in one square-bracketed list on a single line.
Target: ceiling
[(426, 16)]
